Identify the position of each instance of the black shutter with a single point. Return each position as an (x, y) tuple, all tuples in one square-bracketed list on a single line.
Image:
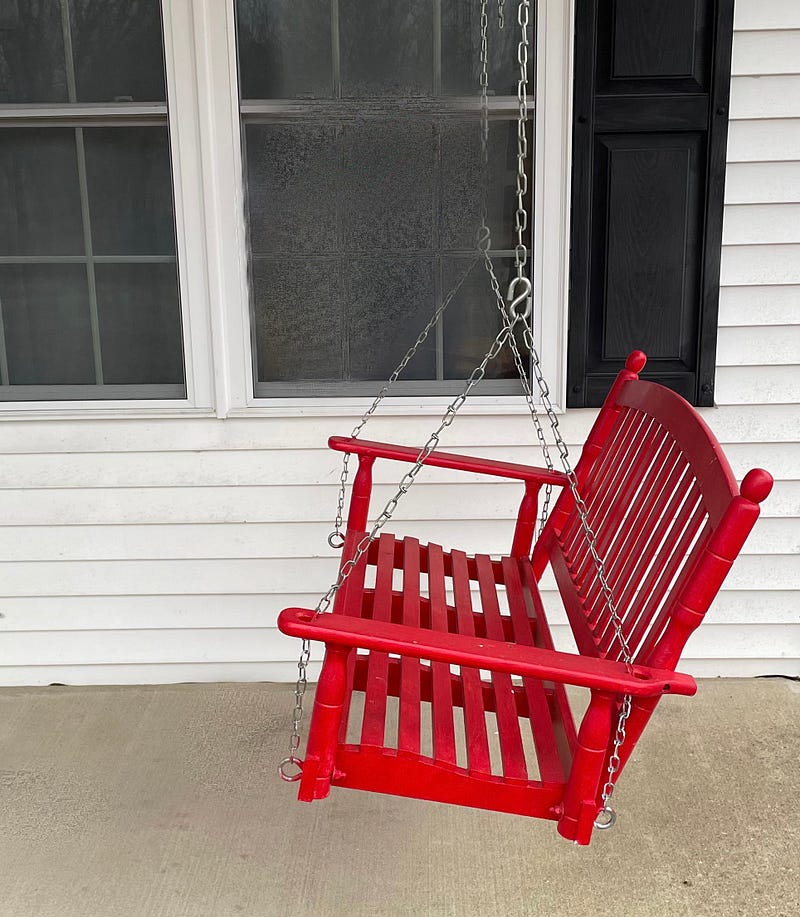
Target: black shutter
[(652, 82)]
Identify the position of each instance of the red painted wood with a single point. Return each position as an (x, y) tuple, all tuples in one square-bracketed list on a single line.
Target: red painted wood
[(384, 772), (526, 522), (670, 521), (560, 712), (511, 750), (362, 491), (350, 600), (444, 742), (373, 725), (326, 717), (474, 710), (523, 613), (438, 459), (456, 649), (408, 730), (580, 795)]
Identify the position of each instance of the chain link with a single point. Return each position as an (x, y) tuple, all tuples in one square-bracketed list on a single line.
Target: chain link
[(291, 768), (501, 14)]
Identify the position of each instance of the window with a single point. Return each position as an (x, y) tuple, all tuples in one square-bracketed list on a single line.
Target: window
[(89, 302), (317, 216), (362, 158)]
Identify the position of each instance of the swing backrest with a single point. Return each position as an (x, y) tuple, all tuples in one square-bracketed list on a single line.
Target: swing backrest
[(668, 518)]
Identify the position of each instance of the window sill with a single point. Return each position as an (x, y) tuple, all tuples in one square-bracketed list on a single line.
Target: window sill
[(100, 410), (403, 406)]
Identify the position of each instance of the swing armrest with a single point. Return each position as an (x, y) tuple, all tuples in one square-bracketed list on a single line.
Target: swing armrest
[(480, 653), (439, 459)]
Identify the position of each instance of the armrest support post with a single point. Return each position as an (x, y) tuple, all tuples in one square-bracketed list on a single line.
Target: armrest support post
[(526, 521), (362, 491)]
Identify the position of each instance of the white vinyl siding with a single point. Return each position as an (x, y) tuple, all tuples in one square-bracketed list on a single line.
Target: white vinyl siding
[(161, 550)]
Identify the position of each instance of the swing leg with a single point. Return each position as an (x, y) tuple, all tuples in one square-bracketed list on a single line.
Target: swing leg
[(323, 734), (583, 786)]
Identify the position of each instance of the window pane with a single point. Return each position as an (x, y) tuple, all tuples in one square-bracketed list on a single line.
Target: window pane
[(291, 177), (386, 48), (389, 300), (461, 46), (298, 319), (388, 177), (130, 190), (40, 206), (32, 62), (87, 209), (45, 312), (285, 49), (472, 321), (370, 176), (140, 328), (117, 50), (463, 178)]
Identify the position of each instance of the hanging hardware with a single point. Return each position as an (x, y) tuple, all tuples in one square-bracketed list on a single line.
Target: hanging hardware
[(515, 299)]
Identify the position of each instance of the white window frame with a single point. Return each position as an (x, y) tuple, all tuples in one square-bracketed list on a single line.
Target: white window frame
[(205, 138)]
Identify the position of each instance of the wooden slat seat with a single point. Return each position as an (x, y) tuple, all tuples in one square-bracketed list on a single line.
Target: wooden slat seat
[(478, 597), (441, 680)]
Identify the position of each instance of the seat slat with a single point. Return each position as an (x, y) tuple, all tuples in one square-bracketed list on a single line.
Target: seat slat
[(511, 749), (373, 726), (474, 714), (408, 731), (352, 586), (444, 742), (522, 612)]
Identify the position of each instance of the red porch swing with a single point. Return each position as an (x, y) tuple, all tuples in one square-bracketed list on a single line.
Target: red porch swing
[(639, 541)]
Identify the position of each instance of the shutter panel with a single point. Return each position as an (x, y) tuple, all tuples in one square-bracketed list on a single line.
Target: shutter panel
[(652, 82)]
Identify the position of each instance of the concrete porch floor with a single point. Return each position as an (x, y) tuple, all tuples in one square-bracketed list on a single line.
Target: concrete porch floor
[(133, 802)]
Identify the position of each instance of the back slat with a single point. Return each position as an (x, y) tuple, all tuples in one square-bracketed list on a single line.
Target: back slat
[(608, 528), (671, 557), (654, 492)]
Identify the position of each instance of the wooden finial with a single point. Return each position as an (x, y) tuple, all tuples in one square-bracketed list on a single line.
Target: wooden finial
[(756, 485), (636, 360)]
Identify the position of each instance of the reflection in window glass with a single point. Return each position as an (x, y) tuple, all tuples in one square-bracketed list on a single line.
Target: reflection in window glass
[(361, 128)]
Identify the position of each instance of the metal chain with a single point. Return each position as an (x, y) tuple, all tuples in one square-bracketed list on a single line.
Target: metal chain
[(290, 769), (606, 816), (501, 14), (521, 214), (336, 539), (484, 245)]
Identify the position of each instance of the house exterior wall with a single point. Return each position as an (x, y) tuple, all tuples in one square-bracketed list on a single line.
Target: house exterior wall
[(161, 550)]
